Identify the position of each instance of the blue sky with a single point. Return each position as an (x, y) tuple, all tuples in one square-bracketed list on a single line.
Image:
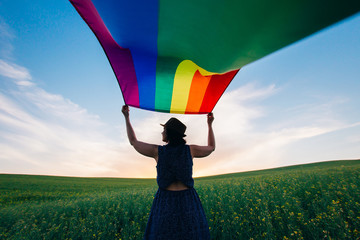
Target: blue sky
[(60, 104)]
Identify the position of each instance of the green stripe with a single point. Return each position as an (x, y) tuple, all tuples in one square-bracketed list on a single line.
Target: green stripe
[(165, 73), (224, 35)]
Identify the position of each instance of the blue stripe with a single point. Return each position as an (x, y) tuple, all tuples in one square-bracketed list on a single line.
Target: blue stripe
[(134, 25)]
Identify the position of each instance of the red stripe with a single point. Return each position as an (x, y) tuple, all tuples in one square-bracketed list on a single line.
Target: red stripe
[(217, 86)]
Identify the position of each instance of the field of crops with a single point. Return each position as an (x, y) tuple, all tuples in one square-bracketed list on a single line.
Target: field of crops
[(315, 201)]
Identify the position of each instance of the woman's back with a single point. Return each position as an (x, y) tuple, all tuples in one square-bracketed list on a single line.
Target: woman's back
[(174, 165)]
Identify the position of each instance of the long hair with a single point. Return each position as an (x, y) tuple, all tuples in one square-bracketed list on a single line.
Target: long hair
[(174, 138)]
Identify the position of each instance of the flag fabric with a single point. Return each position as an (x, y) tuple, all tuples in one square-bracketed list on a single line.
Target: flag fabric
[(180, 56)]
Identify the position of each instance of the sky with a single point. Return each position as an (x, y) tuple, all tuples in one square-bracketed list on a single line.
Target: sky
[(60, 103)]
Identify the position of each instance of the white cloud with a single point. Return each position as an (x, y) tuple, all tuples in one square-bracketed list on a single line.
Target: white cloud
[(44, 133), (19, 74), (243, 145)]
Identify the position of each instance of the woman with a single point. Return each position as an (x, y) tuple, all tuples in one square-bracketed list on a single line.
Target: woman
[(176, 212)]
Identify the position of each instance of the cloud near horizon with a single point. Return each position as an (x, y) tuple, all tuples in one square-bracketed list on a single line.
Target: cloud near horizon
[(44, 133), (247, 140)]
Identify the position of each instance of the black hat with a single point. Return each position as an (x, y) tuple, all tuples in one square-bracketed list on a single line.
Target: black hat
[(175, 125)]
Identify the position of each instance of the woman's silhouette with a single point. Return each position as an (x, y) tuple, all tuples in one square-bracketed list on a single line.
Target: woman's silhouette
[(176, 212)]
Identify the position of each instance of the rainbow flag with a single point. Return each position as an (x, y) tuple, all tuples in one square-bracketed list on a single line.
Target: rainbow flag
[(180, 56)]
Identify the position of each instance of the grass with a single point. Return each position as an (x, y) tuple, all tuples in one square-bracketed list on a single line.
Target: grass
[(312, 201)]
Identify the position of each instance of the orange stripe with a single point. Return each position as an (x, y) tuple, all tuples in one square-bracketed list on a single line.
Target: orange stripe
[(198, 88)]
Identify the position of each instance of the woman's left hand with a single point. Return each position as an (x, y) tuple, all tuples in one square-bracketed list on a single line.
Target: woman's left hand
[(210, 118), (125, 110)]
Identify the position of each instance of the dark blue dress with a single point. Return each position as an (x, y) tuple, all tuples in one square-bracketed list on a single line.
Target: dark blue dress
[(176, 214)]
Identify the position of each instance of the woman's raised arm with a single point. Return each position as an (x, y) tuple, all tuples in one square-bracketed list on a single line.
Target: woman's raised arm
[(146, 149), (203, 151)]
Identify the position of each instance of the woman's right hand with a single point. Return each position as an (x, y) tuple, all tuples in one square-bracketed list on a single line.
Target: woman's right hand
[(125, 111)]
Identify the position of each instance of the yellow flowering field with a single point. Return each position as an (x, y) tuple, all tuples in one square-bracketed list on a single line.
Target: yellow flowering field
[(313, 201)]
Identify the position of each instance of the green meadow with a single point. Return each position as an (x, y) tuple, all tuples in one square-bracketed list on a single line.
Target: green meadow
[(313, 201)]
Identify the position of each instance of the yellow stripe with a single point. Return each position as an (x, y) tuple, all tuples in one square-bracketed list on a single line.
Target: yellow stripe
[(182, 83)]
